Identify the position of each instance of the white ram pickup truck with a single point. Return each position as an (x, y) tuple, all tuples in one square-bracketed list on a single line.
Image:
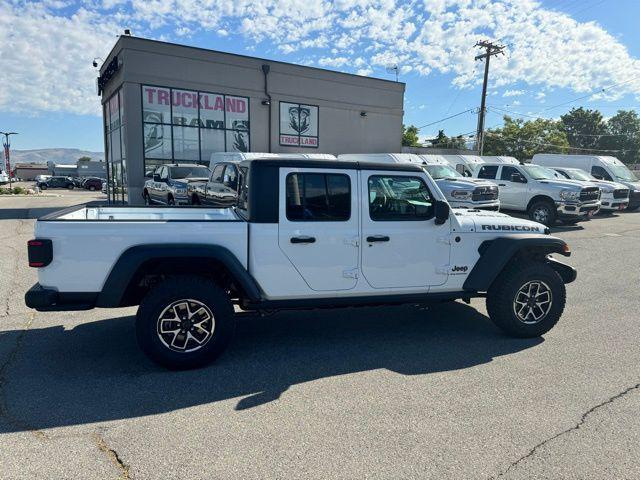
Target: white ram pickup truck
[(304, 234)]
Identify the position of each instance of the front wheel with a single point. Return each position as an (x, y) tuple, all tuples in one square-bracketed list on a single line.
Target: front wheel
[(71, 186), (171, 201), (43, 186), (185, 322), (633, 209), (92, 188), (543, 212), (147, 199), (527, 300)]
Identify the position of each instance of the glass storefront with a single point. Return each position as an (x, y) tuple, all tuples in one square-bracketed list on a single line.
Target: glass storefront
[(188, 126), (114, 149)]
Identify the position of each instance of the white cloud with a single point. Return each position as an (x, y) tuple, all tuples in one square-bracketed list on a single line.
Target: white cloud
[(46, 59), (46, 51)]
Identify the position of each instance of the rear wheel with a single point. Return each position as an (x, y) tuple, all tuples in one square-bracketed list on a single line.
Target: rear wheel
[(43, 186), (527, 300), (92, 188), (543, 211), (71, 186), (185, 322), (147, 199), (195, 200), (171, 200)]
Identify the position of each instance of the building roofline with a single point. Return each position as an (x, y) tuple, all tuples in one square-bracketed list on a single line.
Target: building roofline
[(239, 55)]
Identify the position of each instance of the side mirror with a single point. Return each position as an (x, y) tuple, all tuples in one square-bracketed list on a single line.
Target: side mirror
[(156, 177), (441, 210), (517, 178)]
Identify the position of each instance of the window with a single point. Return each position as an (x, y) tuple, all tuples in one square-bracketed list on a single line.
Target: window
[(394, 198), (230, 177), (564, 174), (601, 173), (488, 171), (507, 171), (318, 197), (243, 193), (218, 172), (114, 151), (298, 125), (188, 125)]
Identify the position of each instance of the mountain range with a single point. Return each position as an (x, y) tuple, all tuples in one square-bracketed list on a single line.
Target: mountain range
[(55, 155)]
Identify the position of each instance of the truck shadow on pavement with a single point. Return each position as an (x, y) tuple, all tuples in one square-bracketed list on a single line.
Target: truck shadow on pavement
[(95, 371)]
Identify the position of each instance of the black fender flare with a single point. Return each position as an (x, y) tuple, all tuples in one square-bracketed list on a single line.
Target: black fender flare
[(130, 260), (496, 254)]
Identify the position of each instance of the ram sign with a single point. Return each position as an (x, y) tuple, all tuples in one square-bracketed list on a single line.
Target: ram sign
[(298, 125)]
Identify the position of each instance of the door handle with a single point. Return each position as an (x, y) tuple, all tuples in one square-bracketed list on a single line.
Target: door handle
[(378, 238), (303, 239)]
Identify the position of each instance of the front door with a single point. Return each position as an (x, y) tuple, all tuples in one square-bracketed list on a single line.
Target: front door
[(318, 229), (512, 194), (401, 247)]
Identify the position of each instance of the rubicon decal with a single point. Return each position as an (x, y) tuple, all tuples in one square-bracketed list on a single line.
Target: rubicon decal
[(512, 228)]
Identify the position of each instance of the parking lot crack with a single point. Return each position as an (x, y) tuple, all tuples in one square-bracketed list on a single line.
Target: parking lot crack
[(4, 369), (113, 456), (577, 426)]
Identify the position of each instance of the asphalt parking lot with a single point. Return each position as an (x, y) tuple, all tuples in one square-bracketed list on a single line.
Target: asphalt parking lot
[(393, 392)]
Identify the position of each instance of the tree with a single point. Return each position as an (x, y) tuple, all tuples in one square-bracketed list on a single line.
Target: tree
[(442, 141), (623, 134), (84, 159), (584, 129), (410, 136), (522, 140)]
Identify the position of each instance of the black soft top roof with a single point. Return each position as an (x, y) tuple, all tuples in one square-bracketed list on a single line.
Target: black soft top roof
[(333, 164)]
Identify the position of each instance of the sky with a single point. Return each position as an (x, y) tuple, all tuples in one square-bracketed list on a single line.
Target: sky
[(558, 54)]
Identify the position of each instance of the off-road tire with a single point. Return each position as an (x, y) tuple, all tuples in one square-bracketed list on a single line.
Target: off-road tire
[(501, 298), (172, 291), (546, 205)]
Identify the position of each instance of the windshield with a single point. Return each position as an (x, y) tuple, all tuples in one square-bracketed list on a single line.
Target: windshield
[(579, 175), (540, 173), (178, 173), (623, 173), (442, 171)]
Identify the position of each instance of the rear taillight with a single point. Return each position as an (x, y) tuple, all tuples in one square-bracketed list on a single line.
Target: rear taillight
[(40, 252)]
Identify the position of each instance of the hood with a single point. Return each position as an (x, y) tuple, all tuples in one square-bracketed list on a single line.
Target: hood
[(606, 185), (463, 183), (562, 183), (484, 221), (187, 181)]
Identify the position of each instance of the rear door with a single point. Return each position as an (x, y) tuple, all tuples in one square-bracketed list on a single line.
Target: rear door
[(401, 247), (318, 228)]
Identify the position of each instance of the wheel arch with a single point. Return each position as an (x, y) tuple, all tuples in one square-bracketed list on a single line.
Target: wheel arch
[(496, 255), (126, 283), (540, 198)]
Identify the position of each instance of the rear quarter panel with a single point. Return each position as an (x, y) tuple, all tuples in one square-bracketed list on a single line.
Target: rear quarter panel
[(85, 251)]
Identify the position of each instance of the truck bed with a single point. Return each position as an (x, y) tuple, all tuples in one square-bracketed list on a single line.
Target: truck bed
[(141, 214), (88, 240)]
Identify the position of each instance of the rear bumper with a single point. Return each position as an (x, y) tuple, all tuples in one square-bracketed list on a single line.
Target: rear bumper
[(48, 300)]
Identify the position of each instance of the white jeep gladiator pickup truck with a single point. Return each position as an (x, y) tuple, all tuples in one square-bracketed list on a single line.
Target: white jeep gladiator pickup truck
[(304, 234)]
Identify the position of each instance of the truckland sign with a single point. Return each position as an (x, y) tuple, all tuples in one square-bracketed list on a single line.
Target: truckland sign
[(298, 125), (197, 124)]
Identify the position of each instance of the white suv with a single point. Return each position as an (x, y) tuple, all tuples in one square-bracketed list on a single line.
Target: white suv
[(539, 192)]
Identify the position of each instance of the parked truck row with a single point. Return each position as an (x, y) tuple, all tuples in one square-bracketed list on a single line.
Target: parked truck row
[(552, 188)]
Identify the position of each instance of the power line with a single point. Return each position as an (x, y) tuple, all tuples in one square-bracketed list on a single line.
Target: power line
[(445, 118)]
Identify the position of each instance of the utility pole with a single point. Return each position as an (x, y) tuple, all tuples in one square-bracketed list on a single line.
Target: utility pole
[(491, 49), (7, 160)]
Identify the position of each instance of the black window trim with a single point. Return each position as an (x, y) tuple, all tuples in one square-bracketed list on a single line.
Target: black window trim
[(495, 176), (325, 174), (407, 219)]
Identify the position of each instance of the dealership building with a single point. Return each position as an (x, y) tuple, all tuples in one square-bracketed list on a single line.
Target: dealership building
[(168, 103)]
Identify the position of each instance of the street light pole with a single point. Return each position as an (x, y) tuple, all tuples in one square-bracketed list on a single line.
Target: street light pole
[(7, 159)]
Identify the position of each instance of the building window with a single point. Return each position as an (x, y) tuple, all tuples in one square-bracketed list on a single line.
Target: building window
[(189, 126), (298, 125), (114, 151)]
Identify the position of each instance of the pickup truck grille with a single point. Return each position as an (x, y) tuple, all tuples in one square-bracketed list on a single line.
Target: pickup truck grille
[(483, 194), (589, 194), (621, 193)]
